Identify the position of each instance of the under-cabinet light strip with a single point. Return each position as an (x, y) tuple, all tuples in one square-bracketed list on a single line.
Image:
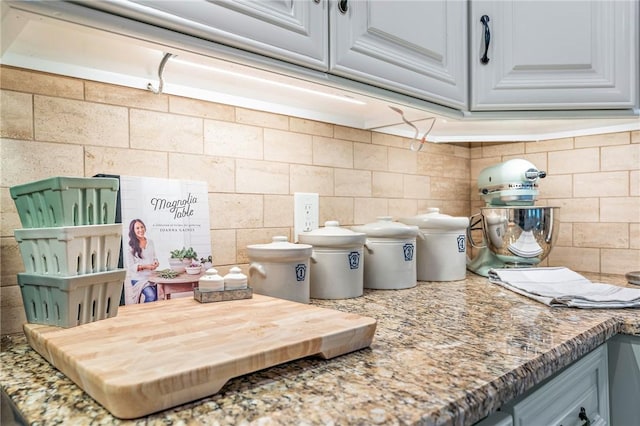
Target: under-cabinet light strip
[(269, 82)]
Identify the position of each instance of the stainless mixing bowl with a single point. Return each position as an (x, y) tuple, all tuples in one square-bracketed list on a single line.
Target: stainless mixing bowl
[(520, 235)]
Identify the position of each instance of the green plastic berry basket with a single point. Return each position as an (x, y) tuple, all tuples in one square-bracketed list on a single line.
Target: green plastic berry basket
[(70, 250), (66, 201), (71, 301)]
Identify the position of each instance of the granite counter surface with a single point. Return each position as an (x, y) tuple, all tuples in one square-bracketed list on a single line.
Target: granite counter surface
[(443, 354)]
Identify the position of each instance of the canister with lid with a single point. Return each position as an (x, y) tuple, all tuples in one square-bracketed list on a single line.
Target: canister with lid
[(389, 253), (337, 260), (441, 253), (280, 269)]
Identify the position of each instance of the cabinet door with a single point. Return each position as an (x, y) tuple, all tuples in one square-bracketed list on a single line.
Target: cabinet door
[(624, 379), (582, 386), (555, 55), (291, 30), (414, 47)]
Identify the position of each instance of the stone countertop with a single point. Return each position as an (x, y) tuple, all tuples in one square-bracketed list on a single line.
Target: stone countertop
[(444, 353)]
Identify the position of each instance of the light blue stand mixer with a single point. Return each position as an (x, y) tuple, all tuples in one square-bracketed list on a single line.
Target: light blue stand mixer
[(515, 233)]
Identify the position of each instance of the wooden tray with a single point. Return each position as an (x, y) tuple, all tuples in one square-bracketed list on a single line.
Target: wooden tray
[(158, 355)]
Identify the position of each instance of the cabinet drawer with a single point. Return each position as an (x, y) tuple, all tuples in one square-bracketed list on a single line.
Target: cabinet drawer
[(559, 401)]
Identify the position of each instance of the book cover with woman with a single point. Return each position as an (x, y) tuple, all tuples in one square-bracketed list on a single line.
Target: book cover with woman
[(160, 216)]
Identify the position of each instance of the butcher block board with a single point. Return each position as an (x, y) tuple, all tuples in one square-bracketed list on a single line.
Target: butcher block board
[(154, 356)]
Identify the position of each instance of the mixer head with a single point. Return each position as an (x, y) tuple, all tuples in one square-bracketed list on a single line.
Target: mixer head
[(512, 183)]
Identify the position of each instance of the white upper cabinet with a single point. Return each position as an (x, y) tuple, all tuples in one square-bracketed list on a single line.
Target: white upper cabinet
[(291, 30), (554, 55), (418, 48)]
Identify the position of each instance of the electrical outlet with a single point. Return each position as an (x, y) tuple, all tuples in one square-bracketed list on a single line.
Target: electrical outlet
[(305, 212)]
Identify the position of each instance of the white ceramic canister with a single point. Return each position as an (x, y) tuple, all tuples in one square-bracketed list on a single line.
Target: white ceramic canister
[(442, 252), (280, 269), (389, 254), (337, 270)]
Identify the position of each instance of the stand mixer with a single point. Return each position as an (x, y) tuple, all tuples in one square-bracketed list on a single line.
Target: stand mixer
[(515, 232)]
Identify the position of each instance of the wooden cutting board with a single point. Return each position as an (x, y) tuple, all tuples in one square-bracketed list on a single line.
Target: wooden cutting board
[(154, 356)]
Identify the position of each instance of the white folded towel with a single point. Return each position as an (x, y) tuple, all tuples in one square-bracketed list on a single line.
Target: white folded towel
[(563, 287)]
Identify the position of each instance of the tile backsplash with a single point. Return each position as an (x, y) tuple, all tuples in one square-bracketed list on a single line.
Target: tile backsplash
[(254, 162)]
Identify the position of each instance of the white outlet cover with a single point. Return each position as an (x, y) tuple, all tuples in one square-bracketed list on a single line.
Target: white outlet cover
[(305, 212)]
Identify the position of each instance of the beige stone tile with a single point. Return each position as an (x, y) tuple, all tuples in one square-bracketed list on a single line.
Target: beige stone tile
[(26, 161), (262, 119), (620, 209), (623, 157), (262, 177), (634, 235), (16, 115), (448, 189), (634, 183), (565, 235), (311, 179), (402, 160), (462, 151), (403, 208), (556, 186), (77, 122), (232, 140), (39, 83), (301, 125), (158, 131), (603, 184), (459, 208), (621, 138), (332, 152), (218, 172), (223, 247), (367, 210), (278, 211), (443, 166), (287, 147), (12, 263), (616, 261), (387, 185), (247, 237), (503, 149), (9, 219), (635, 136), (418, 187), (389, 140), (579, 209), (336, 208), (475, 151), (548, 145), (601, 235), (370, 157), (574, 161), (351, 134), (12, 314), (352, 183), (229, 211), (125, 162), (124, 96), (480, 164), (578, 259), (199, 108)]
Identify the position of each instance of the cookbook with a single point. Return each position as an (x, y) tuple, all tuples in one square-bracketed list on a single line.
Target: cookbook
[(161, 219)]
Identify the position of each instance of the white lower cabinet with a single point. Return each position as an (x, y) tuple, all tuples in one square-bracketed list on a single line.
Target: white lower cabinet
[(624, 379), (577, 396)]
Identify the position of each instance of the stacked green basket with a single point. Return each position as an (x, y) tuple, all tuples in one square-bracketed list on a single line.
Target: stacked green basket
[(70, 245)]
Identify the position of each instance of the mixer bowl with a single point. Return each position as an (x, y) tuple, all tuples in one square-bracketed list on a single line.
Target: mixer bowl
[(520, 235)]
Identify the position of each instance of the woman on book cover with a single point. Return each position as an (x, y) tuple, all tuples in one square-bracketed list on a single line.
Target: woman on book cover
[(141, 261)]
